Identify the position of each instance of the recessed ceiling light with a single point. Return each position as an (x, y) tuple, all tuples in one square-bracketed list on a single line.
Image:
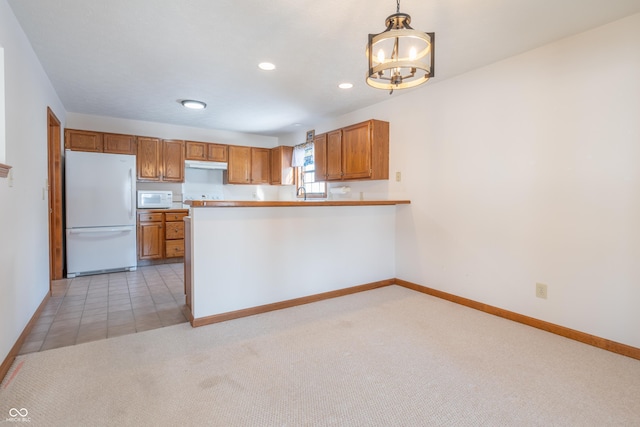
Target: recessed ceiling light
[(267, 66), (345, 85), (193, 104)]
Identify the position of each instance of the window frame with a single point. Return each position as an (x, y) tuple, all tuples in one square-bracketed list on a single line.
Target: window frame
[(299, 181)]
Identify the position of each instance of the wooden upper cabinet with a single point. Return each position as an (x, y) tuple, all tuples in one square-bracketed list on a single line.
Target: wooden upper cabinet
[(239, 168), (281, 170), (195, 150), (205, 151), (82, 140), (320, 157), (217, 153), (172, 161), (334, 155), (119, 144), (160, 161), (356, 152), (379, 143), (248, 165), (148, 159), (260, 162)]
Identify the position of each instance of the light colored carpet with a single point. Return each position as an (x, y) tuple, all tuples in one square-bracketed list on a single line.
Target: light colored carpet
[(385, 357)]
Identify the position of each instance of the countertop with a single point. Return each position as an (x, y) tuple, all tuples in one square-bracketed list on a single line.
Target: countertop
[(292, 203)]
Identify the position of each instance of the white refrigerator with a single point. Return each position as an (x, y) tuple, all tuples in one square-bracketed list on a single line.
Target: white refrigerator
[(100, 191)]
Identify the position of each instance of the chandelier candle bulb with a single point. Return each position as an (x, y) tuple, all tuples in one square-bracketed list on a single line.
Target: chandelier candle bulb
[(411, 55)]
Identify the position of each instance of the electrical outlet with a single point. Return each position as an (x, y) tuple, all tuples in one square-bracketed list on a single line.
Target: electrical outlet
[(541, 290), (398, 176)]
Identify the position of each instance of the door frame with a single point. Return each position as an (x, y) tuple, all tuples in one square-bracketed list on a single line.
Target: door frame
[(54, 185)]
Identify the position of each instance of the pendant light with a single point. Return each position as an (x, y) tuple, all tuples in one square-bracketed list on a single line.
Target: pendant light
[(400, 57)]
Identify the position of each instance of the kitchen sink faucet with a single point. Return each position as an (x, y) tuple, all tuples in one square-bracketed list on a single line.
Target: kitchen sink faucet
[(304, 191)]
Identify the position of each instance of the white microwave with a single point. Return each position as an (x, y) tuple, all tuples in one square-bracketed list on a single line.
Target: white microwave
[(154, 199)]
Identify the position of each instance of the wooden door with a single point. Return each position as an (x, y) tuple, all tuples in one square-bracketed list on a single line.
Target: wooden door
[(56, 226), (356, 151), (320, 157), (148, 159), (239, 168), (260, 163), (119, 144), (173, 161), (334, 155)]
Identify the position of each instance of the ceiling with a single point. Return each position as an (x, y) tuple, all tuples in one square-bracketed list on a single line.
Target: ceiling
[(137, 59)]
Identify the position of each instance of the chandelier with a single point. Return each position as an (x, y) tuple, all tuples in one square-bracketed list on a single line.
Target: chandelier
[(400, 57)]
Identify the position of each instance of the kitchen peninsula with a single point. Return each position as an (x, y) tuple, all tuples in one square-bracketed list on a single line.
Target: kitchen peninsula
[(248, 257)]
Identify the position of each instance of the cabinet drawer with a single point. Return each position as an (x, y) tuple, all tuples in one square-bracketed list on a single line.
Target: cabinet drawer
[(177, 216), (174, 248), (150, 217), (174, 230)]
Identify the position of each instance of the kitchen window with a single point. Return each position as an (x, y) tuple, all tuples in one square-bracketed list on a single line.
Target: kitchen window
[(305, 173)]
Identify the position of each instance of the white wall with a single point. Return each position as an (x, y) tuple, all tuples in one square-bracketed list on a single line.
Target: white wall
[(24, 238), (247, 257), (527, 171)]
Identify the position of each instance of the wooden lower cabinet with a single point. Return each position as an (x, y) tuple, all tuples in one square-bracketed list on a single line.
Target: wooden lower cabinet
[(161, 233), (174, 234), (150, 235)]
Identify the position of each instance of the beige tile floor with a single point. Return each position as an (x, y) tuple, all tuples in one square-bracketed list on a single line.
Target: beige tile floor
[(102, 306)]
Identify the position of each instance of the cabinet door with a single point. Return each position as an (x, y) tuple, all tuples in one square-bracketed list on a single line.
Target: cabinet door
[(80, 140), (334, 155), (174, 248), (260, 166), (173, 161), (239, 168), (281, 170), (148, 159), (150, 239), (217, 153), (195, 150), (173, 230), (320, 157), (356, 151), (119, 144)]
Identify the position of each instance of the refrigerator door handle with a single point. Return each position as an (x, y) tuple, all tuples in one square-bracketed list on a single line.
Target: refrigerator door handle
[(132, 200), (100, 230)]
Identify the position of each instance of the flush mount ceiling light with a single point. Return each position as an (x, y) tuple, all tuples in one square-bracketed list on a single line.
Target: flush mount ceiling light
[(194, 105), (400, 57), (345, 85), (267, 66)]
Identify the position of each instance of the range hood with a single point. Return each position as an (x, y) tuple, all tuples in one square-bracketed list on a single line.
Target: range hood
[(197, 164)]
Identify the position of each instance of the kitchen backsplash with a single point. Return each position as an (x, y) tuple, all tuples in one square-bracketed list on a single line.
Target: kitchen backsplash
[(208, 183)]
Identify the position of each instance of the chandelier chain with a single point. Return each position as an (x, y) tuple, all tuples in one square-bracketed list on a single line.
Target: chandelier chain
[(398, 6)]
